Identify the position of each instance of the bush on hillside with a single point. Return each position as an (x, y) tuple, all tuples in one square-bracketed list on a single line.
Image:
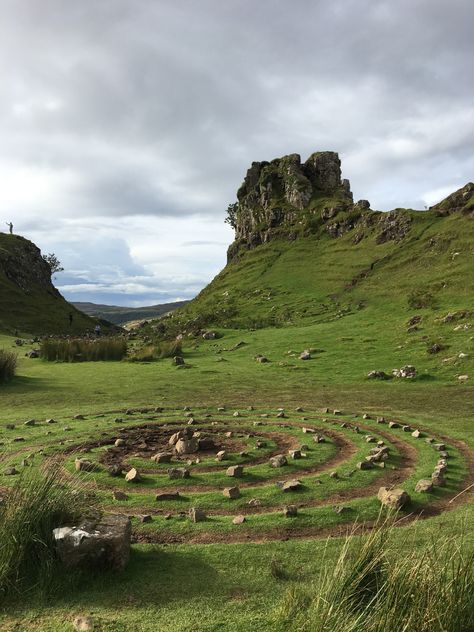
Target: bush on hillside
[(8, 361), (38, 503), (83, 350), (374, 588), (421, 299)]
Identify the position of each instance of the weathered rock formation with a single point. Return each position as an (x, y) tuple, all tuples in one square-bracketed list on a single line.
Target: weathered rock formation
[(287, 198)]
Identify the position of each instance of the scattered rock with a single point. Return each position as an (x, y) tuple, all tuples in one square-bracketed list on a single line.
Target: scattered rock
[(30, 422), (278, 460), (146, 518), (365, 465), (197, 515), (407, 371), (424, 486), (162, 457), (83, 624), (377, 375), (115, 470), (118, 495), (120, 443), (393, 498), (239, 520), (236, 471), (178, 472), (10, 471), (83, 465), (292, 485), (417, 434), (132, 476), (305, 355), (167, 496), (231, 492), (290, 511), (295, 454), (221, 455)]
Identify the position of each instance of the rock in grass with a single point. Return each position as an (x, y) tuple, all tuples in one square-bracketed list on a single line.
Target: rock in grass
[(278, 461), (231, 492), (146, 518), (365, 465), (239, 520), (178, 472), (10, 471), (120, 443), (78, 417), (167, 496), (83, 624), (290, 511), (340, 509), (115, 470), (292, 485), (30, 422), (162, 457), (83, 465), (118, 495), (334, 475), (438, 479), (424, 486), (236, 471), (393, 424), (295, 454), (133, 476), (197, 515), (416, 433), (393, 498)]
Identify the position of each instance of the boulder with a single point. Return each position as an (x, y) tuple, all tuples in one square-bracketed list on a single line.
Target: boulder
[(221, 455), (393, 498), (186, 446), (98, 543)]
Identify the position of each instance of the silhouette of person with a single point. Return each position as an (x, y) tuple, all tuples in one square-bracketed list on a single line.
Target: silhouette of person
[(10, 226), (70, 319)]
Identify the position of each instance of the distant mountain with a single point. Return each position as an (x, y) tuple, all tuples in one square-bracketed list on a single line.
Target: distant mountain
[(121, 315)]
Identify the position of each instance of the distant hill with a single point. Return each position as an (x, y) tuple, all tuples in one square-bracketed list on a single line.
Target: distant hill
[(121, 315), (29, 302)]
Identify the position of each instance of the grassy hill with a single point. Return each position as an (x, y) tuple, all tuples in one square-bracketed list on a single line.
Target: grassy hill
[(29, 303)]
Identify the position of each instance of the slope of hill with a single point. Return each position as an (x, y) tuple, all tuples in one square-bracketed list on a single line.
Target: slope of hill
[(121, 315), (29, 302)]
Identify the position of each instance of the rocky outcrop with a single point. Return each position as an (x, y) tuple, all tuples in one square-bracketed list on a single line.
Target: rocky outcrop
[(288, 198), (23, 265)]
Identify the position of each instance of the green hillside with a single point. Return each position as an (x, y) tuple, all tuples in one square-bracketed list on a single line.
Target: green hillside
[(29, 303)]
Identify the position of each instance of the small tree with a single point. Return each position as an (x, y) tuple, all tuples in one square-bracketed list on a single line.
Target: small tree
[(231, 217), (53, 262)]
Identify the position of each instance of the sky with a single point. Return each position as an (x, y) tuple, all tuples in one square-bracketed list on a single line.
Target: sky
[(127, 126)]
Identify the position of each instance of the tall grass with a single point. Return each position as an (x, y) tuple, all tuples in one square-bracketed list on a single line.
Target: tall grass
[(163, 349), (375, 587), (8, 361), (83, 350), (37, 504)]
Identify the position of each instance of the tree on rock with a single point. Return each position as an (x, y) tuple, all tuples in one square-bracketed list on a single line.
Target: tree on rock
[(231, 217), (53, 262)]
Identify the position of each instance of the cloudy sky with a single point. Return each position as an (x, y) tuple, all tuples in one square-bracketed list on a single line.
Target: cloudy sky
[(127, 126)]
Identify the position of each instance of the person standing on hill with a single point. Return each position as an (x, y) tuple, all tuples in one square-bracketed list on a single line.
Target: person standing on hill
[(70, 319), (10, 226)]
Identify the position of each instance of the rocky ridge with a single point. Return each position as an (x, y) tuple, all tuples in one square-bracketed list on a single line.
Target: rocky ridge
[(289, 198)]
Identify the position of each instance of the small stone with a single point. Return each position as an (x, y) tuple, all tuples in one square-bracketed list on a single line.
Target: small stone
[(370, 439), (260, 444), (78, 417), (254, 502), (236, 471), (30, 422), (340, 509), (236, 414), (365, 465), (50, 421), (167, 496), (132, 476), (334, 475), (406, 428), (393, 498), (231, 492), (197, 515), (239, 520), (145, 519), (120, 443), (319, 438), (278, 461), (10, 471), (438, 479), (439, 446), (291, 486), (417, 434), (118, 495), (83, 624), (337, 412), (178, 472), (423, 486), (83, 465), (290, 511), (308, 430), (115, 470), (393, 424), (162, 457), (295, 454), (366, 416), (221, 455)]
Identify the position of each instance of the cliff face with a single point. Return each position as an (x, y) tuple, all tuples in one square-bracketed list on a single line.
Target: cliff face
[(22, 264), (287, 198)]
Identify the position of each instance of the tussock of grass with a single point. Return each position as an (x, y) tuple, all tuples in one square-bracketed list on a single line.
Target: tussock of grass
[(372, 587), (37, 504), (83, 350), (8, 361)]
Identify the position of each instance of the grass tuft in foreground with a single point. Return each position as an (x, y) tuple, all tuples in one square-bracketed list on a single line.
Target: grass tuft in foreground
[(374, 588), (83, 350), (31, 509), (8, 362)]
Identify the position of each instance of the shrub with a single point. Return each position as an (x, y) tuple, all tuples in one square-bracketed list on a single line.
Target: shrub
[(374, 588), (83, 350), (36, 504), (8, 361), (145, 354)]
